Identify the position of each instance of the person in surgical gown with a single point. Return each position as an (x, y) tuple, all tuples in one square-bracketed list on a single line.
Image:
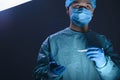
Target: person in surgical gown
[(77, 52)]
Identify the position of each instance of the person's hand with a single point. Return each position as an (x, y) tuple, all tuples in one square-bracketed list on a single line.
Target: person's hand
[(97, 55), (56, 69)]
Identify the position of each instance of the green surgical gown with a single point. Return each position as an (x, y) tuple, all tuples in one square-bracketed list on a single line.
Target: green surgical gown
[(63, 47)]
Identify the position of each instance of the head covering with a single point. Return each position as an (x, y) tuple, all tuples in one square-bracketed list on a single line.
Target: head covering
[(69, 2)]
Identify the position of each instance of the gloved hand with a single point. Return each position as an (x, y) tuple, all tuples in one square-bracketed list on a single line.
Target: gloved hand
[(97, 55), (56, 69)]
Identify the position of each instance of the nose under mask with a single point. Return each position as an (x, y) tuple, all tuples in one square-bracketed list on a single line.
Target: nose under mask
[(81, 17)]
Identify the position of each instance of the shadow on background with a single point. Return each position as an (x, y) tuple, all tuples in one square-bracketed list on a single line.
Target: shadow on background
[(24, 28)]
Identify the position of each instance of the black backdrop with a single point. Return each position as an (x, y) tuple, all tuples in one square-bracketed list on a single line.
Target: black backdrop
[(24, 28)]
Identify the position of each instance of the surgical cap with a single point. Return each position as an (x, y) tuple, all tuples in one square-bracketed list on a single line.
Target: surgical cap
[(69, 2)]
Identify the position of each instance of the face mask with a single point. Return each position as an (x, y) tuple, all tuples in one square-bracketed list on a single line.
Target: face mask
[(81, 17)]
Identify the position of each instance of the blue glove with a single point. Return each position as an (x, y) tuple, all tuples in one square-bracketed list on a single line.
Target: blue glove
[(56, 69), (97, 55)]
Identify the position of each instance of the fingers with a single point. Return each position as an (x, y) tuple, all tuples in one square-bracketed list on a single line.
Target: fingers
[(95, 49), (94, 53), (58, 70), (61, 70), (92, 56)]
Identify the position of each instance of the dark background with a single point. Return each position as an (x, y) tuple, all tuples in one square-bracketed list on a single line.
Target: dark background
[(24, 28)]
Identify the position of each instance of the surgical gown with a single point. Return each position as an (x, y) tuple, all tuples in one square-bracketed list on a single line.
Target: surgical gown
[(63, 47)]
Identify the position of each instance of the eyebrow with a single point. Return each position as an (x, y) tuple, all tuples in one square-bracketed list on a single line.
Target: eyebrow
[(78, 2), (88, 2), (74, 2)]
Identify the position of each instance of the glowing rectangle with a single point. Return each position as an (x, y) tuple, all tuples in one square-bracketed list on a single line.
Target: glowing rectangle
[(6, 4)]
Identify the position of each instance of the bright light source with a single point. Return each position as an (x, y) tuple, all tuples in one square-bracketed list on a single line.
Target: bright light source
[(6, 4)]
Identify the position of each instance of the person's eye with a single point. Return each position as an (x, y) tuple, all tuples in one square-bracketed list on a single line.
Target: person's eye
[(76, 6), (88, 6)]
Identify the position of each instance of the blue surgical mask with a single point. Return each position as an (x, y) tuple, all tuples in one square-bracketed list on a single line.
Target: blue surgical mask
[(81, 17)]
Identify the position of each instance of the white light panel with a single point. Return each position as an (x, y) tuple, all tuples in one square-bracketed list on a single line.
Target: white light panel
[(6, 4)]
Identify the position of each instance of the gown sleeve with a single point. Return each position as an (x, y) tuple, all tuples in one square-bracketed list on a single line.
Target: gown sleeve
[(41, 71), (111, 71)]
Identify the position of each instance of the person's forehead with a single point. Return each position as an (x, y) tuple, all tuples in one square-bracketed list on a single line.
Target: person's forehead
[(80, 1), (91, 2)]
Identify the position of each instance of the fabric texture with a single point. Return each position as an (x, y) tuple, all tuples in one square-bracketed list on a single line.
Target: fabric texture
[(63, 47)]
